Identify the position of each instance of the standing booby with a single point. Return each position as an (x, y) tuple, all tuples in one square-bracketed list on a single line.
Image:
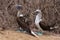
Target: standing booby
[(23, 25)]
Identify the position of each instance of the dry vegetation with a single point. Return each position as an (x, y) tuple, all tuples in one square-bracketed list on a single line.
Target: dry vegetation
[(8, 12)]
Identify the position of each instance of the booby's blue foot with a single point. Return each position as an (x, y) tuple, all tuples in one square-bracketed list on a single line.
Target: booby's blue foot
[(39, 33)]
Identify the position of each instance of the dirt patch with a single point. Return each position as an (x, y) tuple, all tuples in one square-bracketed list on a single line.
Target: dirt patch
[(13, 35)]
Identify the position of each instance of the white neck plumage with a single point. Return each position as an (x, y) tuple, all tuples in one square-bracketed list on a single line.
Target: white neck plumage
[(38, 19)]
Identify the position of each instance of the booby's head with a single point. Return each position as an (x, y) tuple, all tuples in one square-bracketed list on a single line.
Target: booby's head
[(18, 7), (37, 12)]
